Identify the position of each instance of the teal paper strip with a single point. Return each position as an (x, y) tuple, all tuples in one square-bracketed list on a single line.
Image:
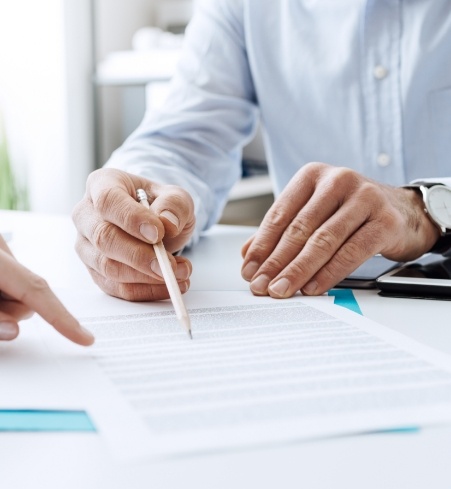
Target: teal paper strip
[(44, 420), (345, 298), (403, 429)]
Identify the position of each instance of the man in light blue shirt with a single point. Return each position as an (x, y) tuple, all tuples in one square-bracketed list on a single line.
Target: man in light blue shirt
[(362, 86)]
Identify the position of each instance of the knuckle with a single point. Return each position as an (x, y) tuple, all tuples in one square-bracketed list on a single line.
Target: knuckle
[(314, 168), (94, 176), (136, 257), (126, 291), (351, 252), (189, 228), (298, 231), (370, 192), (296, 273), (77, 211), (36, 285), (325, 240), (134, 292), (179, 197), (115, 289), (130, 216), (273, 265), (257, 252), (178, 201), (108, 268), (177, 191), (276, 218), (102, 235), (342, 177), (105, 199), (348, 258), (99, 280), (344, 174)]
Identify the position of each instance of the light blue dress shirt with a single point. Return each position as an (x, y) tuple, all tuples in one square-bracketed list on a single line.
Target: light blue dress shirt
[(355, 83)]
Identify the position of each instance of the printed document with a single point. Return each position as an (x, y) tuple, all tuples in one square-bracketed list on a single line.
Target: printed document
[(258, 371)]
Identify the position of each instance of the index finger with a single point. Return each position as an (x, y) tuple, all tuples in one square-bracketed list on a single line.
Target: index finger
[(33, 291), (113, 195), (280, 215), (4, 246)]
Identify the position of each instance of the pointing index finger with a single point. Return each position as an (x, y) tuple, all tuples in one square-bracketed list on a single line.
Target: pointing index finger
[(33, 291)]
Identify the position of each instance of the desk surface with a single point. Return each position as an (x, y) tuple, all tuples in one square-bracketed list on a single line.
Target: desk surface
[(409, 460)]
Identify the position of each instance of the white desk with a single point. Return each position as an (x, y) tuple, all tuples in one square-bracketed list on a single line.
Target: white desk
[(75, 461)]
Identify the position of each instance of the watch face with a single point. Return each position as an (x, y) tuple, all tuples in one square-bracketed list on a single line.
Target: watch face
[(439, 205)]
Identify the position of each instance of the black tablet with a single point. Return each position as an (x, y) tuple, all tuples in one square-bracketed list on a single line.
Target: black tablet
[(428, 277)]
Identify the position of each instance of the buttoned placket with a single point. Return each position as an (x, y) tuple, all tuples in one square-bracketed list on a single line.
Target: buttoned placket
[(381, 78)]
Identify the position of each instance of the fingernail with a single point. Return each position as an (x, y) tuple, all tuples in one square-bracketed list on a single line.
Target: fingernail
[(182, 271), (183, 286), (149, 231), (280, 287), (259, 286), (310, 288), (172, 218), (155, 267), (8, 331), (250, 270)]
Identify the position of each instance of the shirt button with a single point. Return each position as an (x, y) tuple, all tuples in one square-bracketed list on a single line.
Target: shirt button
[(383, 159), (380, 72)]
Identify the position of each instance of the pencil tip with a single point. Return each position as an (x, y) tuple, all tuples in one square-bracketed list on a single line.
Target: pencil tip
[(190, 334)]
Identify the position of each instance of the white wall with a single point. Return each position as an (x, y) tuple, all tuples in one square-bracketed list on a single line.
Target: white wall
[(46, 96), (115, 23), (117, 20)]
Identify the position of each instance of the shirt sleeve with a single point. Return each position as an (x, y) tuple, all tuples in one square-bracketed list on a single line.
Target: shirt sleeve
[(443, 180), (195, 140)]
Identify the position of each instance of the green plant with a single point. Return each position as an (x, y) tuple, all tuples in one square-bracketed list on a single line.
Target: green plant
[(11, 196)]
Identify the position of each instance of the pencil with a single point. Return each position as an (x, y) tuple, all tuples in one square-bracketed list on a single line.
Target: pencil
[(168, 274)]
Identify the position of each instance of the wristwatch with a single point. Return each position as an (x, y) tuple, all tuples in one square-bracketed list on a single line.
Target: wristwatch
[(437, 205)]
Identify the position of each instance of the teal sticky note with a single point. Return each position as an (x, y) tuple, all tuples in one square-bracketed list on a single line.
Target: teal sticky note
[(345, 298), (44, 420)]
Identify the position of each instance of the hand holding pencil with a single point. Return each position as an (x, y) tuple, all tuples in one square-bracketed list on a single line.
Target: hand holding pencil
[(114, 233)]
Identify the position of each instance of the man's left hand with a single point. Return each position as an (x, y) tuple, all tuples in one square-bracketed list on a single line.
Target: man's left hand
[(327, 222)]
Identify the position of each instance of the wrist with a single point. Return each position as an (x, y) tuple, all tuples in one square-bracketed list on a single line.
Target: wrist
[(424, 227)]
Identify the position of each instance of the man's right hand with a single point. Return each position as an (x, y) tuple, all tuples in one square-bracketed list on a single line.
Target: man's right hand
[(115, 234)]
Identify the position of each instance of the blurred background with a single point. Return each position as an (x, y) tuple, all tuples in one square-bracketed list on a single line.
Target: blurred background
[(76, 77)]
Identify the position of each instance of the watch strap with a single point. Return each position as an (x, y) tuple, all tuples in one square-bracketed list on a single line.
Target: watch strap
[(443, 244)]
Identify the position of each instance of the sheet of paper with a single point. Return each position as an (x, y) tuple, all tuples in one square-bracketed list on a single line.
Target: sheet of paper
[(259, 371), (41, 370), (6, 235)]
